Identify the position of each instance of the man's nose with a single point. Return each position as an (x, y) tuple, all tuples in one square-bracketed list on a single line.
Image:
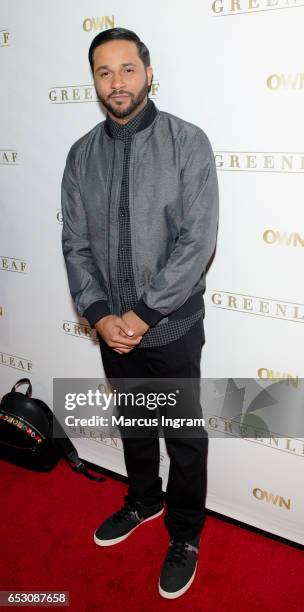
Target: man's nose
[(117, 81)]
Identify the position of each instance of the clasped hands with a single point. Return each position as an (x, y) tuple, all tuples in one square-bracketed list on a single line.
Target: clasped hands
[(122, 333)]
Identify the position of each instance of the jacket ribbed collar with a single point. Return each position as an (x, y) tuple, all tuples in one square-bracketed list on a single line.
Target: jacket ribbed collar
[(149, 114)]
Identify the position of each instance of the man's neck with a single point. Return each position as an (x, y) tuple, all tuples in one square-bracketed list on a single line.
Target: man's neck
[(124, 120)]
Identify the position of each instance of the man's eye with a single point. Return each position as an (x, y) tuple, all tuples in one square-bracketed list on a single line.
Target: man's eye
[(104, 74), (130, 69)]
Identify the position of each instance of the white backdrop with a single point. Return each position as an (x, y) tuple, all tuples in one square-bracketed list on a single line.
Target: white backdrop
[(233, 68)]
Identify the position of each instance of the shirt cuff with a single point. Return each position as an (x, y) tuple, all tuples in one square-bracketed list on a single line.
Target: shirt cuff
[(96, 311), (148, 315)]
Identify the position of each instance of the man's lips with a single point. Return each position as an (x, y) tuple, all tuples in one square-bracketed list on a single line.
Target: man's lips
[(120, 96)]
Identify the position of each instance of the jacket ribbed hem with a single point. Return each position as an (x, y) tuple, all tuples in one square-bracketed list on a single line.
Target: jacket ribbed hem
[(96, 311), (149, 315), (190, 306)]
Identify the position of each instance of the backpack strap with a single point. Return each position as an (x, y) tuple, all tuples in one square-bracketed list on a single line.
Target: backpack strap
[(24, 381), (80, 467), (71, 455)]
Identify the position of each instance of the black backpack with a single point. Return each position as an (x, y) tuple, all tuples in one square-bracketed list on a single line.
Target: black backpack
[(26, 434)]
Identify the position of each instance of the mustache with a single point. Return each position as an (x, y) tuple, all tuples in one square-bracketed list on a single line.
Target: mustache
[(119, 93)]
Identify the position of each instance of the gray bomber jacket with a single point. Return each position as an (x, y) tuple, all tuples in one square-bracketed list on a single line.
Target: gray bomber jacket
[(173, 203)]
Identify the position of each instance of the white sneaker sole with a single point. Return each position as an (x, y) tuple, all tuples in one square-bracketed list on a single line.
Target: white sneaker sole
[(124, 537), (181, 591)]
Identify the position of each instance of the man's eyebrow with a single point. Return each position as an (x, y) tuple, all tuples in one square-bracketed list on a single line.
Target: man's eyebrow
[(105, 66)]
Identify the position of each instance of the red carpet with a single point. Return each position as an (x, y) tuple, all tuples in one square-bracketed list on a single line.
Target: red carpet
[(47, 525)]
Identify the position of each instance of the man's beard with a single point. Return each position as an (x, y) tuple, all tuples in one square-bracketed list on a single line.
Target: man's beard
[(136, 100)]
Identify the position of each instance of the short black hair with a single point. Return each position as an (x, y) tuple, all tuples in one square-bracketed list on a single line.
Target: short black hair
[(119, 34)]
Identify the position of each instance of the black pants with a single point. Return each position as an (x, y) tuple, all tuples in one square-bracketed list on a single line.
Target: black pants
[(187, 482)]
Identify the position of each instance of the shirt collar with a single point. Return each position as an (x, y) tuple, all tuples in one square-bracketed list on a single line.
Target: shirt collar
[(140, 121)]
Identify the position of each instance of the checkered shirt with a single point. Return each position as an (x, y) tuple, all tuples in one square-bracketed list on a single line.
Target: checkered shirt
[(161, 333)]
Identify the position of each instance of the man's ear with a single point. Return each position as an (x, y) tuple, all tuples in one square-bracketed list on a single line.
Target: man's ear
[(150, 74)]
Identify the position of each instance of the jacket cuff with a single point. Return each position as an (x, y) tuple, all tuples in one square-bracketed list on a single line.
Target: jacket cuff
[(96, 311), (149, 315)]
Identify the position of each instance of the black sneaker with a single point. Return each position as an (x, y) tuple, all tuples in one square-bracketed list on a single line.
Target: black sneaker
[(179, 568), (120, 525)]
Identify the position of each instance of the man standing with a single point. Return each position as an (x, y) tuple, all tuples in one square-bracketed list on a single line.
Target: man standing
[(140, 214)]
